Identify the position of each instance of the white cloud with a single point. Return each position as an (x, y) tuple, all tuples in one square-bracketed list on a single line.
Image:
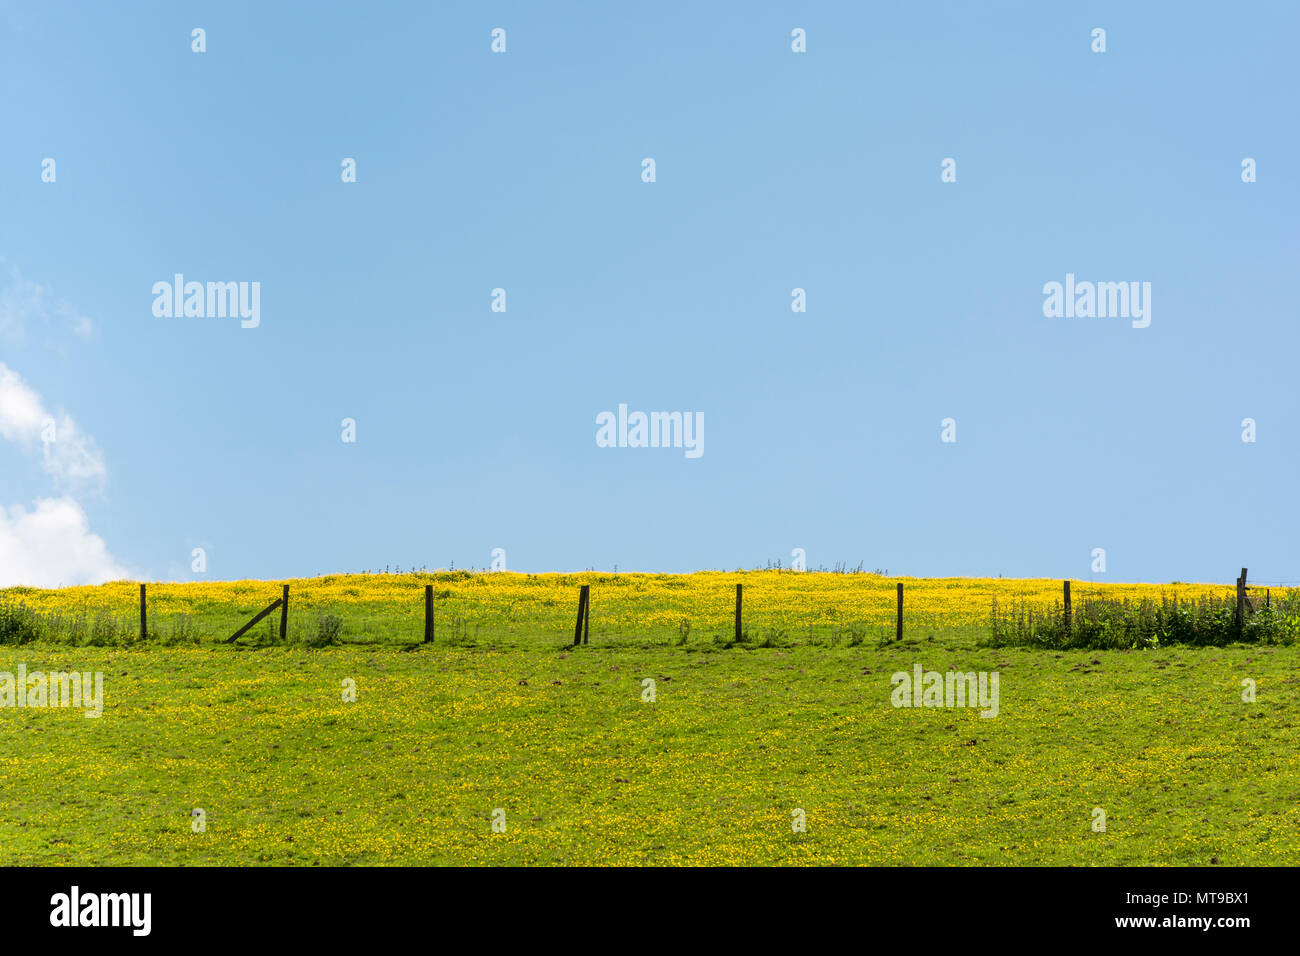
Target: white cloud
[(81, 325), (51, 546), (20, 302), (23, 303), (69, 455)]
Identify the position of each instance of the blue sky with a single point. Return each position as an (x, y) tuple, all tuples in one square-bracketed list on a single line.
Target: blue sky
[(774, 170)]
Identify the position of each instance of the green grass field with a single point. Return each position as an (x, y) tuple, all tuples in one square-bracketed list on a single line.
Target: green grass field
[(587, 772)]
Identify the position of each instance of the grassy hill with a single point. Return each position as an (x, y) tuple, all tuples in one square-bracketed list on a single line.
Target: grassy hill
[(501, 714)]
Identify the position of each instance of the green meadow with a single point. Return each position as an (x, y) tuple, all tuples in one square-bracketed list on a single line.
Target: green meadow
[(473, 750)]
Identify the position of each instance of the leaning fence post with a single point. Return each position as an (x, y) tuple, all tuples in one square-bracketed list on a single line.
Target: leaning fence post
[(739, 601), (428, 614), (582, 614), (586, 616), (1067, 605), (284, 613), (898, 630), (278, 602), (144, 616)]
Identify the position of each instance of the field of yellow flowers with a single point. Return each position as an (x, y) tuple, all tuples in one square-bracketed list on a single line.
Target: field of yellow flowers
[(525, 609), (501, 744)]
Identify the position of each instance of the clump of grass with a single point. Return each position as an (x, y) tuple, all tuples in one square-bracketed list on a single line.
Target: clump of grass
[(181, 630), (106, 630), (769, 637), (457, 632), (727, 640), (856, 634), (329, 628), (1103, 624), (23, 625), (72, 627), (683, 633), (19, 624)]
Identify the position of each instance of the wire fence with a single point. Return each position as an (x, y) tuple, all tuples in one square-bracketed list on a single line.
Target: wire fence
[(778, 608)]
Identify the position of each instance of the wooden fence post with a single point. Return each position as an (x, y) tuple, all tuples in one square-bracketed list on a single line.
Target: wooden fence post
[(898, 630), (428, 614), (1068, 614), (144, 616), (586, 616), (582, 614), (739, 601), (284, 613), (1241, 600)]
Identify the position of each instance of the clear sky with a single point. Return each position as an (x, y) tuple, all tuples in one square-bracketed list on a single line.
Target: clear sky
[(523, 171)]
